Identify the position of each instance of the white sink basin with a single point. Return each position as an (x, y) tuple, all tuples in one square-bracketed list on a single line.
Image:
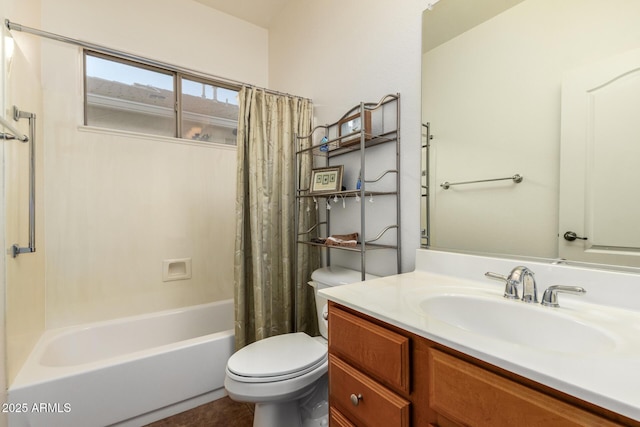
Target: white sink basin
[(519, 323)]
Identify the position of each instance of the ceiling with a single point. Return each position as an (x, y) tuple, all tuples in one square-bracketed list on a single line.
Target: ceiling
[(258, 12)]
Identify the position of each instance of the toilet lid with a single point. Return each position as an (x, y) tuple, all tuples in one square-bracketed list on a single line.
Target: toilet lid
[(277, 358)]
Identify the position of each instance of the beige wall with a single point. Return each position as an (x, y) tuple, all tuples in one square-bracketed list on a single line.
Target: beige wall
[(340, 53)]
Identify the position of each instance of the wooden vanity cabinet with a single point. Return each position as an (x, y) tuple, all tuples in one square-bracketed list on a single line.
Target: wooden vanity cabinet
[(472, 395), (381, 375), (370, 372)]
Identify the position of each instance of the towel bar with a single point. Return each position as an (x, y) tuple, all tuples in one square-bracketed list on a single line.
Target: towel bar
[(517, 178)]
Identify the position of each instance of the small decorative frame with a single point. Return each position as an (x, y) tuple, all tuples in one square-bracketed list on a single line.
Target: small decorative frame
[(352, 124), (326, 180)]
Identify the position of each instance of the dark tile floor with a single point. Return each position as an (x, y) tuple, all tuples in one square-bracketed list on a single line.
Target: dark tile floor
[(222, 412)]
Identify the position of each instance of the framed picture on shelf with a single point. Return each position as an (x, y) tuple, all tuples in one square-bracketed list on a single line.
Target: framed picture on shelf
[(352, 124), (326, 180)]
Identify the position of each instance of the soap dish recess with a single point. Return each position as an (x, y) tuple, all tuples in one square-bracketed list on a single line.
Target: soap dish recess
[(176, 269)]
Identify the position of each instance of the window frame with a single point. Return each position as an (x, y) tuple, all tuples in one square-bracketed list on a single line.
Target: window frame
[(177, 76)]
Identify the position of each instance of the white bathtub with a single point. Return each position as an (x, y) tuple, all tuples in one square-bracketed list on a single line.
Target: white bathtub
[(126, 372)]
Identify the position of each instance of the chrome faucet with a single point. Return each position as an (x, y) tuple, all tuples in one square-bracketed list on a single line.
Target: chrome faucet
[(518, 276), (550, 296)]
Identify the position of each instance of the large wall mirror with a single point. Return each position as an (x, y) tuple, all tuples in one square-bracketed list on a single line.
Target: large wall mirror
[(543, 89)]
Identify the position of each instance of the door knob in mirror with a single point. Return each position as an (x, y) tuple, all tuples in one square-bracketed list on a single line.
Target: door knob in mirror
[(571, 236)]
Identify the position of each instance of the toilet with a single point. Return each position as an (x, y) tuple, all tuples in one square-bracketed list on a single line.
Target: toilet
[(286, 375)]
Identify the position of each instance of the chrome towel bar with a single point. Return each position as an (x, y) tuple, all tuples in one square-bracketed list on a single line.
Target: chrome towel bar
[(517, 178)]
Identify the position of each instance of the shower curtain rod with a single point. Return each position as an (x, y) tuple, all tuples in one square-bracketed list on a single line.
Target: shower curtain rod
[(103, 49)]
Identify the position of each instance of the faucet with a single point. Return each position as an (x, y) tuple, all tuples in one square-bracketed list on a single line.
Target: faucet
[(550, 296), (518, 276)]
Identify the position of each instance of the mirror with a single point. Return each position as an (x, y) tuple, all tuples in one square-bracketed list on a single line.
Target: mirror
[(493, 74)]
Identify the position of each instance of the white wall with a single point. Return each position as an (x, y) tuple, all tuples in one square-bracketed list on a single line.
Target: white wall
[(341, 53), (183, 33), (492, 95), (119, 204)]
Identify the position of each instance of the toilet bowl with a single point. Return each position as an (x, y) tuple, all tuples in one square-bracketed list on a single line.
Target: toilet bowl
[(286, 375)]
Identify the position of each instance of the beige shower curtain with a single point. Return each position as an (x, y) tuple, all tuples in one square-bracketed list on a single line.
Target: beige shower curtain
[(265, 288)]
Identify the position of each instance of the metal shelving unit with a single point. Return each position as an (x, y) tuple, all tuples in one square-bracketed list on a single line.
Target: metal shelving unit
[(382, 127)]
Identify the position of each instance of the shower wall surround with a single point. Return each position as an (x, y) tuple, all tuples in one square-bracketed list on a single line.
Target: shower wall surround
[(116, 205), (120, 204), (25, 275)]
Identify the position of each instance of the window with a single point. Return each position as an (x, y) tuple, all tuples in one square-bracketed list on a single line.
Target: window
[(208, 111), (126, 95)]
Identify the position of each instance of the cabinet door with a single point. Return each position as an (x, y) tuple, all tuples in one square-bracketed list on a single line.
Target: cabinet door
[(376, 350), (363, 400), (475, 397)]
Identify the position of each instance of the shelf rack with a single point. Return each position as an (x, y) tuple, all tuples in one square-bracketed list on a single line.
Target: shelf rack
[(384, 129)]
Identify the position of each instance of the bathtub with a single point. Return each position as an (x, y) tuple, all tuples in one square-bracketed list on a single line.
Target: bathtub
[(125, 372)]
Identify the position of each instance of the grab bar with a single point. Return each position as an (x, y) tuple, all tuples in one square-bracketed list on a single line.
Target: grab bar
[(16, 249), (517, 178)]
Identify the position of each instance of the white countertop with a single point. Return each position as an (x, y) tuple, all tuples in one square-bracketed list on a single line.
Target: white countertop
[(607, 379)]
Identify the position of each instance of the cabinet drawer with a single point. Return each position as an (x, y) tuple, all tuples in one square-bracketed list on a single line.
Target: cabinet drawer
[(476, 397), (336, 419), (377, 405), (381, 353)]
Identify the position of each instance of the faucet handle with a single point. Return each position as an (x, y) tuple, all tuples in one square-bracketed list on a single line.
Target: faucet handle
[(511, 286), (550, 296)]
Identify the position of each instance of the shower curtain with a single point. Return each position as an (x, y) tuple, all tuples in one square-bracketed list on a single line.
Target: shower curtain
[(268, 301)]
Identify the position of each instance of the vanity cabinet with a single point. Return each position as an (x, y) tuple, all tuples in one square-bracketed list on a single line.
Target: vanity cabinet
[(381, 375), (369, 371), (472, 395)]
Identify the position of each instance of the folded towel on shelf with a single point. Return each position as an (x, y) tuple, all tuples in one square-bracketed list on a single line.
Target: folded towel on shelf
[(344, 240), (350, 236), (331, 241)]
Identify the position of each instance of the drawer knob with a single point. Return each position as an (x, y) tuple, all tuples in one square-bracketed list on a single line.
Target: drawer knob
[(355, 399)]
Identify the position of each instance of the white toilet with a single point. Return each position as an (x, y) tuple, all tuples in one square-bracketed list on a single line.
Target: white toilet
[(286, 375)]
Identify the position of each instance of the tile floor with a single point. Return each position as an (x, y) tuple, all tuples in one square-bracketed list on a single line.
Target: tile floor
[(222, 412)]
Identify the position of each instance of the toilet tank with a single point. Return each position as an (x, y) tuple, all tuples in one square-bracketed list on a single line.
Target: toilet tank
[(327, 277)]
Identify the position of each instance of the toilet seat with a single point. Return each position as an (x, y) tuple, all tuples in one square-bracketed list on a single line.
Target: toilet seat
[(277, 358)]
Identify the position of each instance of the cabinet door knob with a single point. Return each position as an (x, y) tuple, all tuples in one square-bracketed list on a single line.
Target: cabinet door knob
[(355, 399)]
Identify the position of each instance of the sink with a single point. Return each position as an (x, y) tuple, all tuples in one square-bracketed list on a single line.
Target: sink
[(518, 323)]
